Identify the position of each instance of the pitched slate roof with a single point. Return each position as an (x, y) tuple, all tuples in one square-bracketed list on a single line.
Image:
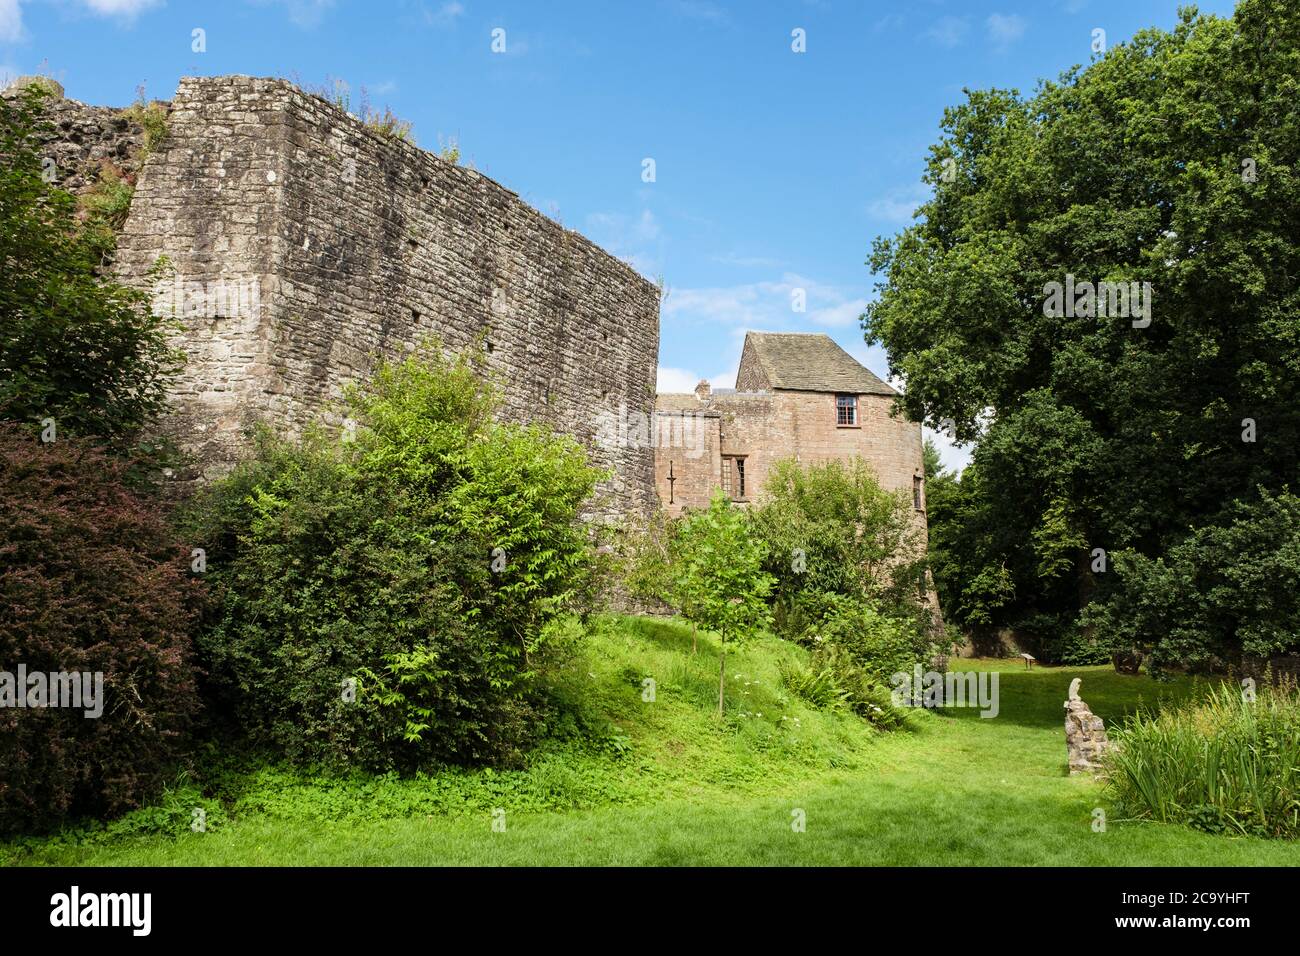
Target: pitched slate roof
[(681, 402), (810, 362)]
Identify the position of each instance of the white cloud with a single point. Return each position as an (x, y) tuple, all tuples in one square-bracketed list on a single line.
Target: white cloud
[(954, 457), (302, 13), (767, 305), (897, 205), (748, 262), (633, 239), (119, 8), (681, 380), (675, 380), (446, 14), (11, 21), (1005, 30), (700, 10), (948, 31)]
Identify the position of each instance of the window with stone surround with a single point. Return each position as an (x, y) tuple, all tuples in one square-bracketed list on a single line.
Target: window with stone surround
[(733, 476), (846, 411)]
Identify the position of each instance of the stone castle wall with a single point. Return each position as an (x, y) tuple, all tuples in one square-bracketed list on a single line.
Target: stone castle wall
[(306, 245), (82, 140)]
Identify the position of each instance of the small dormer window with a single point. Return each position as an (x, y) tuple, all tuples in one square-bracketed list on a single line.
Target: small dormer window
[(846, 410)]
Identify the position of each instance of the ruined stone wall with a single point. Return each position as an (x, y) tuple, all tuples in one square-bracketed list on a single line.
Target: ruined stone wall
[(81, 140), (307, 245)]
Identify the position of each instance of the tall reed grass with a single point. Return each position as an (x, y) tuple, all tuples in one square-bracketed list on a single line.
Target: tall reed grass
[(1224, 763)]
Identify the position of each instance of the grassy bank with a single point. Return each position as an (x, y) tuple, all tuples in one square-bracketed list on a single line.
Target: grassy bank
[(663, 782)]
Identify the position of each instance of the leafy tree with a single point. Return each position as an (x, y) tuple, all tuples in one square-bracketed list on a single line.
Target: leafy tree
[(930, 459), (75, 347), (1171, 160), (719, 564)]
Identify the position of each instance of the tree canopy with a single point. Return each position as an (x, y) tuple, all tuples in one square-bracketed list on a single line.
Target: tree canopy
[(1171, 162)]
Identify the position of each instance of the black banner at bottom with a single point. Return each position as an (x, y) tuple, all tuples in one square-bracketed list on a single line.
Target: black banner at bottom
[(337, 905)]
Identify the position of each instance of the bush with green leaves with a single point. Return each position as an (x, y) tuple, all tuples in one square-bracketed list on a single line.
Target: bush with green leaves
[(718, 573), (831, 529), (1227, 764), (387, 589), (879, 644), (1226, 593)]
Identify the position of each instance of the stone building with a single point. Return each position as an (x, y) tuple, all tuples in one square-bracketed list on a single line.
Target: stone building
[(302, 245), (797, 395)]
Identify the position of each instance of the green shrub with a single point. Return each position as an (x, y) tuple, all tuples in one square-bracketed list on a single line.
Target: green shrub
[(152, 117), (1223, 764), (816, 685), (831, 531), (422, 554), (878, 644)]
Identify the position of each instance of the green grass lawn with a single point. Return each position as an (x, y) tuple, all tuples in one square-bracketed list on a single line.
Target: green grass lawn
[(666, 783)]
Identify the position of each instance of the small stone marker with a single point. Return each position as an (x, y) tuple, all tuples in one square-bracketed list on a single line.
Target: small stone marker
[(1085, 734)]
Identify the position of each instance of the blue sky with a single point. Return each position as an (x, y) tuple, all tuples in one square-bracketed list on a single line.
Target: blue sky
[(774, 170)]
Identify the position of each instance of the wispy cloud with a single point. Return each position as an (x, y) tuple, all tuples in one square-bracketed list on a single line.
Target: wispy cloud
[(890, 21), (749, 262), (445, 15), (630, 238), (11, 21), (949, 31), (700, 10), (768, 305), (1005, 30), (675, 380), (898, 205), (120, 8), (11, 14), (302, 13)]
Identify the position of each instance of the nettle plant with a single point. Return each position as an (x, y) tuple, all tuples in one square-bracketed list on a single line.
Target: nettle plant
[(387, 590), (720, 578)]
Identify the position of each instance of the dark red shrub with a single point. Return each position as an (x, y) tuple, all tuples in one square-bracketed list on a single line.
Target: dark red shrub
[(91, 580)]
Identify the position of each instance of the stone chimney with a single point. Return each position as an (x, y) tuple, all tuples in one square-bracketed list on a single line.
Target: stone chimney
[(702, 390)]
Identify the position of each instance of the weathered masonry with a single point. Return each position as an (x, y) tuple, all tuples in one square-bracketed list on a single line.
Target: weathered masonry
[(305, 245)]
